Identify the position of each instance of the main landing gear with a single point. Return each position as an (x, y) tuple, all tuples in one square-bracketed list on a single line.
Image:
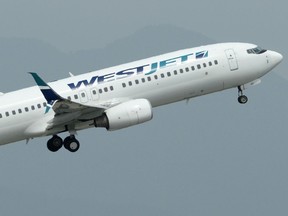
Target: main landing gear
[(70, 143), (242, 99)]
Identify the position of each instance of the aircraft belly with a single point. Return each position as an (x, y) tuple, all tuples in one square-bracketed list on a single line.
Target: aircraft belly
[(12, 134)]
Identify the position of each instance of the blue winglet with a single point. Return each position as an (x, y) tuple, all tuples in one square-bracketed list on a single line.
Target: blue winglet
[(49, 94)]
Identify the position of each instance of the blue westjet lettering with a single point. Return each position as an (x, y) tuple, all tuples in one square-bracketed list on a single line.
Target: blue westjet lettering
[(146, 69)]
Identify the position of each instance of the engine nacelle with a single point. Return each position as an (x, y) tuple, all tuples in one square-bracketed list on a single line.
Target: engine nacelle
[(125, 115)]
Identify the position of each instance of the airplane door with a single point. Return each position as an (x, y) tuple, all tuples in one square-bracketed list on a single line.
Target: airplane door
[(232, 59), (83, 97)]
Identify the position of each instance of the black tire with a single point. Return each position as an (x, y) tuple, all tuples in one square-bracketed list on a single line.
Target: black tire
[(242, 99), (71, 144), (54, 144)]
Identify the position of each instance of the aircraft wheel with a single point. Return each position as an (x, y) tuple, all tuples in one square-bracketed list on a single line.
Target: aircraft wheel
[(242, 99), (71, 144), (55, 143)]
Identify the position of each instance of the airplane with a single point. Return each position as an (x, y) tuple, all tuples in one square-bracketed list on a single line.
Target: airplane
[(122, 96)]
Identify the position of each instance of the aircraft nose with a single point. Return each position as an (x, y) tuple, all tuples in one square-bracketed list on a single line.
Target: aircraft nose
[(276, 57)]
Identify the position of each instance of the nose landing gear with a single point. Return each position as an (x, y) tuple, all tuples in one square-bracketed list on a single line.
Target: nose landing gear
[(242, 99)]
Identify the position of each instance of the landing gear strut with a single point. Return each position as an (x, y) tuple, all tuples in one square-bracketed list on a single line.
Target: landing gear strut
[(242, 99), (70, 143)]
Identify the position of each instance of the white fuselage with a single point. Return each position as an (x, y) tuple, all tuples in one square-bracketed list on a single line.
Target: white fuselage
[(161, 80)]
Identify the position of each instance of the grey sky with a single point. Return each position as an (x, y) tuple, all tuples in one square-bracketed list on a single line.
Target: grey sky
[(210, 157), (84, 24)]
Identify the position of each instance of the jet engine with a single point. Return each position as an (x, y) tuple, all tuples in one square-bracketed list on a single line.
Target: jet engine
[(125, 115)]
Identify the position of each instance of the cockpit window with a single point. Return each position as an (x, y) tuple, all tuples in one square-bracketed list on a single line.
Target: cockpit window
[(257, 50)]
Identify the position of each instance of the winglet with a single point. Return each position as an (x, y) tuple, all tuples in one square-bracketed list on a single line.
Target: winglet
[(50, 95)]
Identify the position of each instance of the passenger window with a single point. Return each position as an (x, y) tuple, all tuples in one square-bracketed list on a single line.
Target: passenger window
[(82, 94), (181, 70), (143, 80), (124, 85), (193, 68), (137, 82), (7, 114), (168, 74), (69, 98), (162, 75), (1, 116), (111, 88), (149, 79), (100, 91), (187, 69), (14, 112), (105, 89), (76, 97), (26, 109), (216, 62), (19, 111), (204, 65), (44, 104), (175, 72), (199, 66), (210, 63), (155, 77), (33, 107)]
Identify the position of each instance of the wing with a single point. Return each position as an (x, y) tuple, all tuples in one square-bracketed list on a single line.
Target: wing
[(66, 111)]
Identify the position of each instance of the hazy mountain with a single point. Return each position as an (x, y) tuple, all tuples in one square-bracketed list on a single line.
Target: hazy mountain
[(19, 55), (144, 43)]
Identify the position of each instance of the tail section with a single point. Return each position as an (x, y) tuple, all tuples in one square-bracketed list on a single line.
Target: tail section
[(50, 95)]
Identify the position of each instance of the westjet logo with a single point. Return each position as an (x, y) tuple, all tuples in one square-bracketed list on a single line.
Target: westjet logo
[(147, 69)]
